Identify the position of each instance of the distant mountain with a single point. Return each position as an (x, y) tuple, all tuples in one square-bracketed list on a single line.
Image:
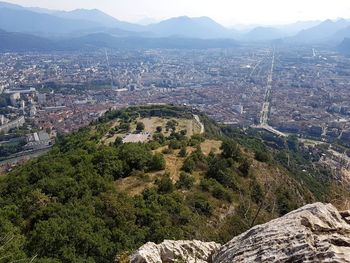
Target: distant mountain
[(52, 22), (22, 20), (81, 22), (201, 27), (117, 32), (10, 6), (294, 28), (321, 32), (98, 17), (344, 47), (15, 42), (103, 40), (339, 36), (263, 34)]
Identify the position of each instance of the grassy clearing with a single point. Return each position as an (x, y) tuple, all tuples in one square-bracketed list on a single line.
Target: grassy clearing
[(151, 125), (136, 184), (211, 145)]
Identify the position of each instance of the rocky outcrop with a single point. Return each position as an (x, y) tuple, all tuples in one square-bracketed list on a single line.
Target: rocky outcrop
[(313, 233), (176, 251)]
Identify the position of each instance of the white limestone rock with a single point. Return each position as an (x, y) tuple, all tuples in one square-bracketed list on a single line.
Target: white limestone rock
[(313, 233), (175, 251)]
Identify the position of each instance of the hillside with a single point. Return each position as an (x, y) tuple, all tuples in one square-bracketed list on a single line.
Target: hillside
[(344, 46), (93, 196), (25, 21), (322, 32), (200, 27), (14, 42), (117, 39)]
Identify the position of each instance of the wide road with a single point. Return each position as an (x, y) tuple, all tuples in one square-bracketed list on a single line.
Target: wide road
[(265, 111), (264, 114)]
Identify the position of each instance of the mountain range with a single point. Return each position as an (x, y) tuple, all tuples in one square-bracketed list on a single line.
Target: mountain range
[(325, 31), (21, 42), (82, 24)]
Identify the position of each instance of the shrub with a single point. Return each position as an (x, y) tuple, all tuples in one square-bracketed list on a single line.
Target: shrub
[(256, 192), (165, 185), (118, 141), (262, 156), (159, 137), (171, 125), (174, 144), (140, 126), (244, 168), (185, 181), (158, 162), (196, 140), (230, 149), (167, 150), (220, 192), (200, 204), (189, 165), (183, 152)]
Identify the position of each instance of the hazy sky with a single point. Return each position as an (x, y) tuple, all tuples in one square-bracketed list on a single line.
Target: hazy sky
[(227, 12)]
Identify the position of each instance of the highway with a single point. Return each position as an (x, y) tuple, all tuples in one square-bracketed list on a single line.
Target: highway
[(264, 115), (265, 111), (270, 129)]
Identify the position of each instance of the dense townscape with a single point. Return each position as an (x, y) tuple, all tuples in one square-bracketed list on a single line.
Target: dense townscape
[(60, 92)]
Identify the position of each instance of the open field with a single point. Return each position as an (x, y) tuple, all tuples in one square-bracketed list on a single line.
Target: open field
[(151, 124), (136, 184)]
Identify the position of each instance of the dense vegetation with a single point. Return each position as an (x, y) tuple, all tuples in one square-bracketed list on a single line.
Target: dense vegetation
[(65, 206)]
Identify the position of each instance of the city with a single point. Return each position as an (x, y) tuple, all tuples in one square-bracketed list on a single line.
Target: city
[(304, 92)]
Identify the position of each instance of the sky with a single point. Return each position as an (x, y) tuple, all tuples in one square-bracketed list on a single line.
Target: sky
[(226, 12)]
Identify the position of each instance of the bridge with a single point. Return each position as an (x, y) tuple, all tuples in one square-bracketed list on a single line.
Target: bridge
[(270, 129)]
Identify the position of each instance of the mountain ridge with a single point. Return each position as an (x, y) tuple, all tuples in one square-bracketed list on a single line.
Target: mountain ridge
[(321, 32), (46, 22)]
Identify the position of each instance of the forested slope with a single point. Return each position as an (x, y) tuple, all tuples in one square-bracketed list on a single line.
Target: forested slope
[(71, 205)]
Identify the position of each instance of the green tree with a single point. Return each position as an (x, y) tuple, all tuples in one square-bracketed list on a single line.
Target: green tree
[(262, 156), (189, 165), (244, 167), (256, 194), (183, 152), (171, 125), (135, 156), (230, 149), (11, 240), (165, 184), (118, 141), (124, 127), (140, 126), (108, 164), (158, 162), (186, 181)]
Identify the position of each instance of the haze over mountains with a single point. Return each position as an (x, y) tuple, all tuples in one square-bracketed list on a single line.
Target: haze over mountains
[(102, 30)]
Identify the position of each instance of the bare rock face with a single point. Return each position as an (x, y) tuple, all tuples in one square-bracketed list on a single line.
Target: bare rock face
[(175, 251), (313, 233)]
